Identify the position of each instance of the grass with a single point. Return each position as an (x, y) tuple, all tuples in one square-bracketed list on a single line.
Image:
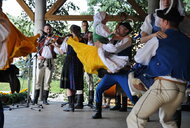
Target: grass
[(55, 86), (24, 84)]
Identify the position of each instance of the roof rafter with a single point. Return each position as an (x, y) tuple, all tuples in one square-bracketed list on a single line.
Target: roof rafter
[(55, 7), (26, 8), (85, 17), (138, 9)]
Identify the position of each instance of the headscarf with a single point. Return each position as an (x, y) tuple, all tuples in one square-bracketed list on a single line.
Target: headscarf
[(180, 6), (99, 17)]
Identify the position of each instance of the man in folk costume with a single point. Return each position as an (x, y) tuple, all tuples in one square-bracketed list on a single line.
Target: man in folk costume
[(120, 47), (164, 64), (45, 63)]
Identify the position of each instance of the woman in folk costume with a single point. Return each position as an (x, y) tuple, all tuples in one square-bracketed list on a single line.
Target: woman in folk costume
[(16, 44), (94, 58), (151, 26), (72, 72)]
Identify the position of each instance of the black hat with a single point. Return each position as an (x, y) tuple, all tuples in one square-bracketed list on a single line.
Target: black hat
[(127, 25), (173, 15)]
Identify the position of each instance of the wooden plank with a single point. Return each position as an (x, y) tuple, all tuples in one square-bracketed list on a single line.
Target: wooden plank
[(86, 17), (55, 7), (27, 9), (138, 9)]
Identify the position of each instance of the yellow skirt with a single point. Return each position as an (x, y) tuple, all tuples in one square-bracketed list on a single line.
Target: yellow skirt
[(88, 55), (17, 43)]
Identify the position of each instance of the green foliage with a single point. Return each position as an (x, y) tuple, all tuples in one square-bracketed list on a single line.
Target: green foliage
[(187, 6), (114, 6), (13, 98), (58, 67), (23, 24)]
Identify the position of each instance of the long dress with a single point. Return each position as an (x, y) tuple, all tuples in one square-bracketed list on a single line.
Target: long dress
[(72, 71)]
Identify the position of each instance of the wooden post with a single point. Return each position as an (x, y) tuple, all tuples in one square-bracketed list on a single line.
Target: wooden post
[(39, 21)]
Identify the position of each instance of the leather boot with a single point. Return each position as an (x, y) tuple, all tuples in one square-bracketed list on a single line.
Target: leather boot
[(45, 96), (123, 105), (1, 116), (91, 99), (79, 103), (70, 107), (117, 103), (36, 96), (98, 114)]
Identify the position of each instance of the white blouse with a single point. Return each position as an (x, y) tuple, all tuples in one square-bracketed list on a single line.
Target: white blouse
[(147, 26), (102, 30), (119, 46), (112, 61), (145, 53)]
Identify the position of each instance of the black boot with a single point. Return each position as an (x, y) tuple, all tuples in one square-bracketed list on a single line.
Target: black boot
[(71, 100), (45, 96), (36, 95), (117, 103), (1, 115), (79, 103), (91, 99), (98, 113), (123, 105)]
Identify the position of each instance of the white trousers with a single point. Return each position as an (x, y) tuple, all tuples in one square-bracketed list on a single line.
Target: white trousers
[(44, 76), (164, 96), (89, 81)]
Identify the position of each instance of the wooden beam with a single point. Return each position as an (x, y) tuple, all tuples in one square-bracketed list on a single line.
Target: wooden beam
[(138, 9), (55, 7), (86, 17), (27, 9)]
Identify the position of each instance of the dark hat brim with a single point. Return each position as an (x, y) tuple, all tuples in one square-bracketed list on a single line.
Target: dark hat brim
[(172, 15)]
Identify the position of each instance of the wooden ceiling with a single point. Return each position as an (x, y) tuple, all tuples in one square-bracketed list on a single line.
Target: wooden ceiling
[(50, 14)]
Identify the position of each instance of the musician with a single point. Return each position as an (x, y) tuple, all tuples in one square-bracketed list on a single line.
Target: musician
[(45, 63)]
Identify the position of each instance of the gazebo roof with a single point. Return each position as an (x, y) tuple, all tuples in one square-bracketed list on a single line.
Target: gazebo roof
[(50, 14)]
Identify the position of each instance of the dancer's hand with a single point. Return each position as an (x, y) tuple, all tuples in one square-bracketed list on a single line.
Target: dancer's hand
[(160, 35), (41, 58)]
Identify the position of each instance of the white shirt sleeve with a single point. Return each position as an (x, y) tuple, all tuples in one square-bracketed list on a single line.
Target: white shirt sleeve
[(63, 47), (121, 45), (146, 26), (145, 54), (103, 30)]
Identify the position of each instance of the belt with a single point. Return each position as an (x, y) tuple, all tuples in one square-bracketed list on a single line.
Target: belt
[(177, 82)]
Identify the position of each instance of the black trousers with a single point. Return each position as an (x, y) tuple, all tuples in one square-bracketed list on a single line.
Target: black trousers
[(1, 115)]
